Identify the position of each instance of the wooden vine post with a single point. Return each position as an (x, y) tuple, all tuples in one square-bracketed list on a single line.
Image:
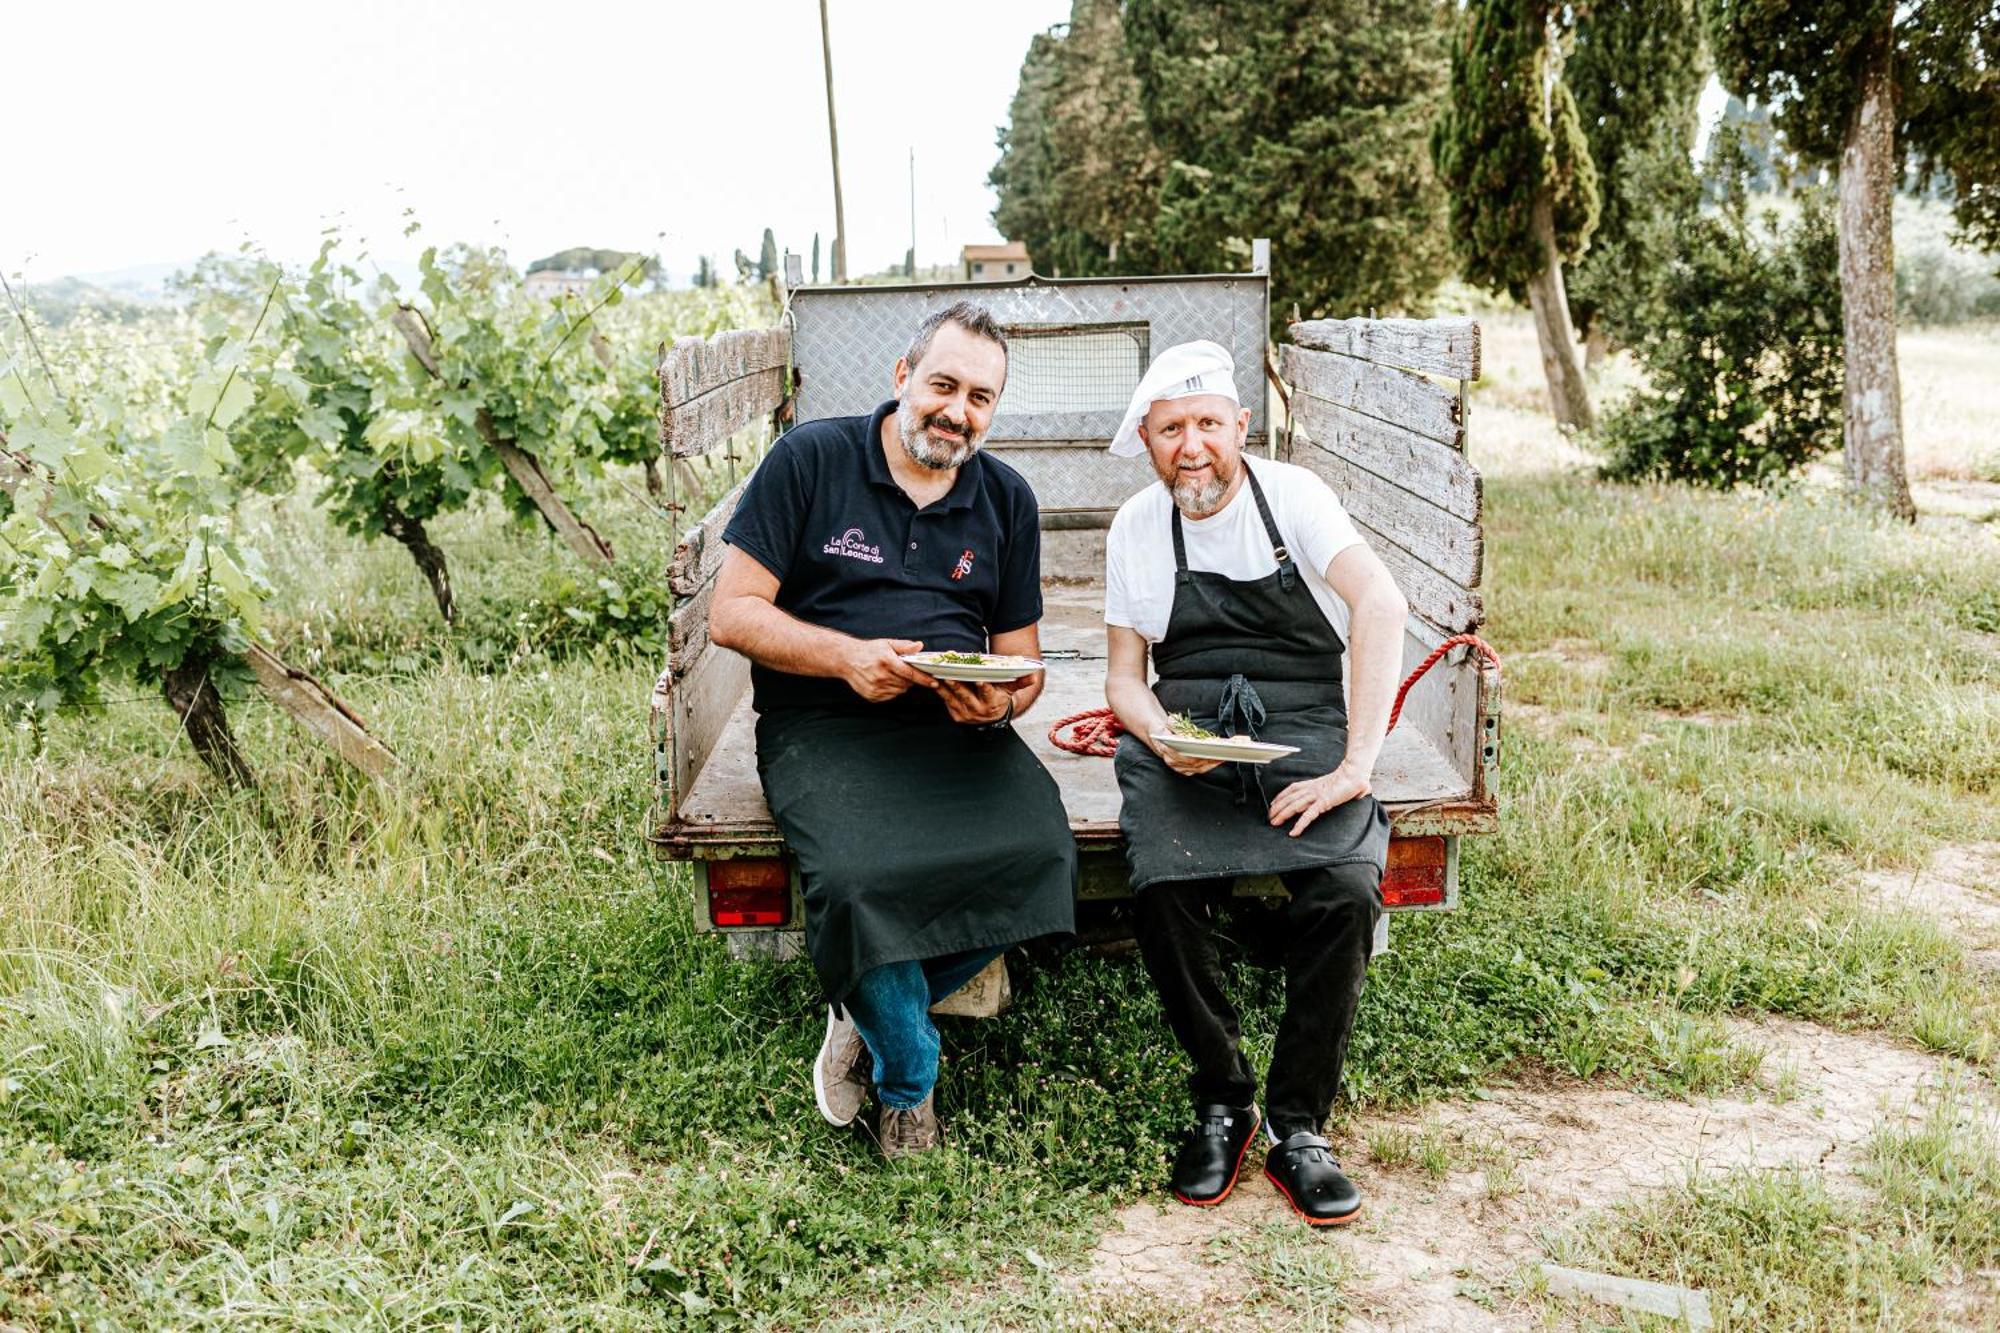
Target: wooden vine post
[(521, 465)]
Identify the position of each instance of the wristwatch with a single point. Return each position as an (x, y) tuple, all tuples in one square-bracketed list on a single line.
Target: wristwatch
[(999, 723)]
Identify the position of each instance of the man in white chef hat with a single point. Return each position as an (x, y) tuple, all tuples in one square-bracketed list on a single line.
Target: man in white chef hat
[(1248, 586)]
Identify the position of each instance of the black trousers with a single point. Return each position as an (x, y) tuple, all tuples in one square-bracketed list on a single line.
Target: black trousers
[(1328, 927)]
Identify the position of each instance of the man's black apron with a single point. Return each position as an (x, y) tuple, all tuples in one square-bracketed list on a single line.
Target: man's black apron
[(916, 837), (1257, 658)]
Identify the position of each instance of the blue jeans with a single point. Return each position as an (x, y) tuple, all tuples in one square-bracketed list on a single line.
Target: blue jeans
[(890, 1007)]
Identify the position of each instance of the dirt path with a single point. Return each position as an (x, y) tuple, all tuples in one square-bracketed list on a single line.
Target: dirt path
[(1959, 888), (1445, 1248)]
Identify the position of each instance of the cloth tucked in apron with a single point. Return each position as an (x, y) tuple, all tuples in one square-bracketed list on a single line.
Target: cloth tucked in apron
[(1257, 658), (916, 837)]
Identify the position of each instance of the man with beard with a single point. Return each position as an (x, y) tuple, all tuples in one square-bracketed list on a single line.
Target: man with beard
[(928, 837), (1246, 583)]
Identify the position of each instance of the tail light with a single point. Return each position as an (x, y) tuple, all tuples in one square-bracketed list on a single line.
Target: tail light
[(1416, 873), (750, 891)]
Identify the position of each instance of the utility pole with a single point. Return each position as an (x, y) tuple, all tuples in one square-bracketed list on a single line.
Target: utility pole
[(833, 141), (913, 214)]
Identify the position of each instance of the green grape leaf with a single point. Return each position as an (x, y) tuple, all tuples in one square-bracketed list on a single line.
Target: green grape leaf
[(133, 591)]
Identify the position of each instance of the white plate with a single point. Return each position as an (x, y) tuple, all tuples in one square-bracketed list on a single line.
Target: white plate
[(992, 667), (1231, 749)]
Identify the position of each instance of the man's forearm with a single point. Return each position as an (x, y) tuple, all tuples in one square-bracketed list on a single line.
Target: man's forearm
[(777, 639), (1376, 654), (1134, 705)]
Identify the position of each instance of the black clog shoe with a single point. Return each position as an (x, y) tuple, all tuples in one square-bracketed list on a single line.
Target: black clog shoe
[(1305, 1172), (1212, 1153)]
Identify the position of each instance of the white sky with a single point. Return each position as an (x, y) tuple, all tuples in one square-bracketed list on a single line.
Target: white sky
[(152, 133)]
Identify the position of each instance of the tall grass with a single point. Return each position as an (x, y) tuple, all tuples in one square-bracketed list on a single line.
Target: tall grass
[(447, 1048)]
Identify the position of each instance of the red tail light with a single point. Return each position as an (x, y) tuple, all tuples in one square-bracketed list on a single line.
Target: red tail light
[(750, 891), (1416, 873)]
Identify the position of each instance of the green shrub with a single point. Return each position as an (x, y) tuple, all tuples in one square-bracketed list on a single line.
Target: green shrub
[(1744, 361)]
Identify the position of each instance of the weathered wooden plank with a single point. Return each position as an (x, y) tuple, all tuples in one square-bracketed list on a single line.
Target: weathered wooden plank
[(695, 366), (314, 706), (526, 470), (699, 703), (1382, 392), (699, 553), (687, 627), (1440, 346), (702, 423), (1447, 543), (1431, 595), (1435, 471)]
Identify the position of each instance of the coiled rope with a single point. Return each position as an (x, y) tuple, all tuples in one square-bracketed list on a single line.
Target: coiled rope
[(1097, 730)]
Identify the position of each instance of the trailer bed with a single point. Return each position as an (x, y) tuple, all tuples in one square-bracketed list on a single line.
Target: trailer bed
[(724, 807)]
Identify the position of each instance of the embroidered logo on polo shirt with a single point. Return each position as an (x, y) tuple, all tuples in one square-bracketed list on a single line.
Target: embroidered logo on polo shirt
[(963, 567), (854, 545)]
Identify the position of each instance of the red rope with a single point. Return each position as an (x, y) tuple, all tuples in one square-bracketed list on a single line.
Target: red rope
[(1097, 730)]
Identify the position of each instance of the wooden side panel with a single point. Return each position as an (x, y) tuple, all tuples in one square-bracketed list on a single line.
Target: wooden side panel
[(699, 552), (1431, 595), (1383, 392), (1434, 471), (1450, 545), (699, 705), (699, 426), (710, 388), (1443, 707), (695, 366), (1440, 346), (687, 627)]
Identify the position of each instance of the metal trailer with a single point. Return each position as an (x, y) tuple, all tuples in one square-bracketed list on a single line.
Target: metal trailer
[(1377, 407)]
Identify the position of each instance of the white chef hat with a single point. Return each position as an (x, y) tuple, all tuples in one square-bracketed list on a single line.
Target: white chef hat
[(1179, 372)]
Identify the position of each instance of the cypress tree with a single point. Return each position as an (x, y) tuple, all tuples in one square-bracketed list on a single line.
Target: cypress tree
[(1522, 186), (815, 257), (1304, 121), (1078, 170), (1636, 69), (767, 256), (1864, 85)]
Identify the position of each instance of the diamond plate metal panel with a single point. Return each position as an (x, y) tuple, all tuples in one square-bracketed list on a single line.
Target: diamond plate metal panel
[(1078, 477), (847, 339)]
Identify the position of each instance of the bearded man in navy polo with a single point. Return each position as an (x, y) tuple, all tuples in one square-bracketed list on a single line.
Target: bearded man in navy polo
[(928, 837)]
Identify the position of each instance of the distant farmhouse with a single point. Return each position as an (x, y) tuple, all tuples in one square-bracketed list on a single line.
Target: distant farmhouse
[(987, 263), (549, 283)]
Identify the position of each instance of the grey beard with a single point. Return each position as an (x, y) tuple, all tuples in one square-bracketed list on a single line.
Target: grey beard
[(1199, 499), (927, 452)]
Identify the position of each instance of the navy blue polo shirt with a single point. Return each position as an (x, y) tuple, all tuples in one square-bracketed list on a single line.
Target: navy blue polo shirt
[(852, 552)]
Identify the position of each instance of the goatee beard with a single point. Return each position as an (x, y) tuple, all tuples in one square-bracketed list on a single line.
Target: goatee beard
[(930, 453), (1199, 499)]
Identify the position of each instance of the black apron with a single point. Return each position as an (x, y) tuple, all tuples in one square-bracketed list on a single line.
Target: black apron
[(916, 837), (1255, 657)]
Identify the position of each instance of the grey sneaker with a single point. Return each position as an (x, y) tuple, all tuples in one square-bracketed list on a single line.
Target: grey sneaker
[(841, 1073), (903, 1133)]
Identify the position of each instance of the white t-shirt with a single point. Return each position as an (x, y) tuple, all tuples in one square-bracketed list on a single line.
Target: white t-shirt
[(1139, 553)]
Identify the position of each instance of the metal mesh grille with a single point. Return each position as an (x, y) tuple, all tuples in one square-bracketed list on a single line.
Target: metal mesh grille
[(1074, 367)]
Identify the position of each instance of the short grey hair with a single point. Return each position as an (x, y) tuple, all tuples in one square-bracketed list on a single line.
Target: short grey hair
[(976, 320)]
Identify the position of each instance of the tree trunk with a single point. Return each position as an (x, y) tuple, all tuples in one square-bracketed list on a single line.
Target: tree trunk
[(1872, 401), (410, 532), (192, 696), (653, 485), (1569, 399)]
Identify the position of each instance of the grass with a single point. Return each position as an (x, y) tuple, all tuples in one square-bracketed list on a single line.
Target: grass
[(446, 1049), (1790, 1250)]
